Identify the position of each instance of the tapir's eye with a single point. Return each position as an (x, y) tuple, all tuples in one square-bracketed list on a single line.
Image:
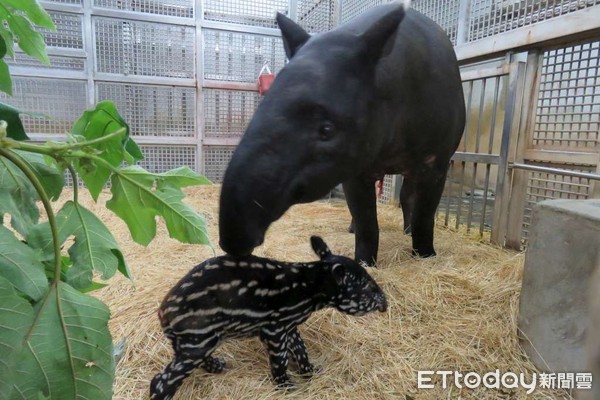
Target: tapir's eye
[(326, 131)]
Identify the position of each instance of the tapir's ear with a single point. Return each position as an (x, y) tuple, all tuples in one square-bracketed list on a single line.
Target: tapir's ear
[(293, 35), (339, 272), (384, 26), (320, 247)]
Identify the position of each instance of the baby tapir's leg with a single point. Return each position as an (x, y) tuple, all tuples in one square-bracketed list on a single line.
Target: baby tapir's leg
[(297, 350), (190, 352), (213, 365), (276, 342)]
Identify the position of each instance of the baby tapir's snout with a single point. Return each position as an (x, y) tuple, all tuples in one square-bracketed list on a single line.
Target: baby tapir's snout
[(233, 297)]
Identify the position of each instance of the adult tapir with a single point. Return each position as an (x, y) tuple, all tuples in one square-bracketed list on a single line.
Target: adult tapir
[(378, 95)]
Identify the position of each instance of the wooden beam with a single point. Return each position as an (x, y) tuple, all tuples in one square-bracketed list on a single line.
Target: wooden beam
[(579, 25), (561, 157)]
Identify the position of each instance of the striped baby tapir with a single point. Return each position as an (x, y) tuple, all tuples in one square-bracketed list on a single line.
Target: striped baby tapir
[(227, 297)]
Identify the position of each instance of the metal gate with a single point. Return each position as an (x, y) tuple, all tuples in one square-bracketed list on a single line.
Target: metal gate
[(182, 72)]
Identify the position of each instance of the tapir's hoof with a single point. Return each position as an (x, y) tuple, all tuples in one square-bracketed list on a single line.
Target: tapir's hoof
[(408, 230), (214, 365), (351, 228), (423, 253), (367, 264)]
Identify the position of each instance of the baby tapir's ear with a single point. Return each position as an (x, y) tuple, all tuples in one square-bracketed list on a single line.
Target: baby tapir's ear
[(320, 247), (338, 271)]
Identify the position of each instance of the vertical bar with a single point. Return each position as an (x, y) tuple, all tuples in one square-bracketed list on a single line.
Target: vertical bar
[(490, 149), (89, 46), (477, 140), (199, 49), (462, 170), (518, 196), (293, 4), (462, 31)]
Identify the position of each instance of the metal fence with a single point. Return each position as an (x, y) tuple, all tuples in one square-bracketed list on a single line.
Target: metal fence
[(183, 74)]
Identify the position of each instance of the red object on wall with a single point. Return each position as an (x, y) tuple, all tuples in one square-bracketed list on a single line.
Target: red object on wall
[(265, 79)]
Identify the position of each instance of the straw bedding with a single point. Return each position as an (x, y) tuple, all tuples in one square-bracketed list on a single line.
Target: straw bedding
[(453, 312)]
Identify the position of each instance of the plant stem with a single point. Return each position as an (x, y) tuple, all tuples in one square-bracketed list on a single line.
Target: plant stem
[(52, 148), (75, 183), (22, 165)]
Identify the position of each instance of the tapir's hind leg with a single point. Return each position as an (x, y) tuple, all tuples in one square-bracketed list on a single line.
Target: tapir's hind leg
[(407, 201), (428, 189), (190, 353), (362, 202)]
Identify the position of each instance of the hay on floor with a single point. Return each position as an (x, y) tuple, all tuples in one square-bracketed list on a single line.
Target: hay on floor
[(453, 312)]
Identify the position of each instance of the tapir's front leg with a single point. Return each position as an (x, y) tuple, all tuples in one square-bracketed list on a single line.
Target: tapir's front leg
[(362, 202)]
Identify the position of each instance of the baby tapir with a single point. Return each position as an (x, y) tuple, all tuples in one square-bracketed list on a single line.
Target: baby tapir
[(227, 297)]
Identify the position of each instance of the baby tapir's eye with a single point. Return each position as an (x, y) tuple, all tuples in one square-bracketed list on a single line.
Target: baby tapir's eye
[(326, 130)]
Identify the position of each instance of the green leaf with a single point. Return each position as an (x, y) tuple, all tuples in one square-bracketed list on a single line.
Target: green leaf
[(51, 178), (16, 315), (94, 124), (94, 249), (68, 349), (30, 41), (94, 286), (17, 197), (15, 126), (137, 202), (20, 265), (5, 80), (8, 38), (34, 12), (2, 47), (133, 152)]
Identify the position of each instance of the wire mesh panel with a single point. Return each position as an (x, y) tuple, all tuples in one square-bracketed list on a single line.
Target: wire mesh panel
[(76, 2), (144, 48), (69, 31), (568, 109), (317, 15), (233, 56), (56, 62), (490, 17), (62, 100), (153, 110), (175, 8), (216, 159), (161, 158), (228, 112), (543, 186), (352, 8), (444, 12), (386, 195), (245, 12)]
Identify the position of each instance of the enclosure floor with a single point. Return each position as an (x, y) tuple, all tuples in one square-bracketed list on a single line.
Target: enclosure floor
[(453, 312)]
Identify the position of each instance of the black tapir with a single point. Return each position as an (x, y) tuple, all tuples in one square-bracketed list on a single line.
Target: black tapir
[(378, 95)]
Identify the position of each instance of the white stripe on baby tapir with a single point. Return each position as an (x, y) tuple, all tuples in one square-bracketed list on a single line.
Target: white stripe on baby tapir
[(271, 266), (201, 344), (187, 284), (256, 265), (212, 266), (201, 331), (252, 283), (218, 286), (279, 277), (217, 310), (242, 291), (228, 263), (300, 304)]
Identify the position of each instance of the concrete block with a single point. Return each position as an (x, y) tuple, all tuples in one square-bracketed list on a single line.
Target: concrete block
[(562, 254), (593, 340)]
